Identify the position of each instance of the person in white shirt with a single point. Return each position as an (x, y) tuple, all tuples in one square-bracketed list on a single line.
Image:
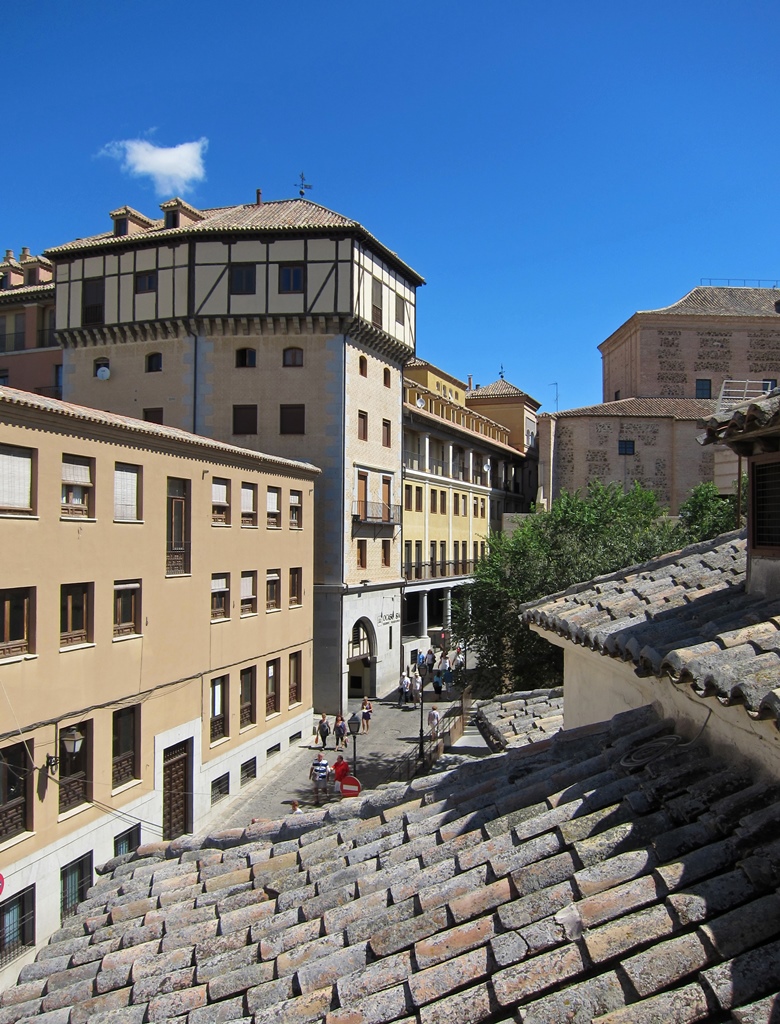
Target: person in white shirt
[(433, 722)]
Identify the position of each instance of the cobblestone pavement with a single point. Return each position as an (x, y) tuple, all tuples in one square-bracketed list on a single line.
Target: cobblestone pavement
[(394, 733)]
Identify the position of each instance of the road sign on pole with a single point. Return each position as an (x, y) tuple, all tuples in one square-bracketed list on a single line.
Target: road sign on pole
[(350, 786)]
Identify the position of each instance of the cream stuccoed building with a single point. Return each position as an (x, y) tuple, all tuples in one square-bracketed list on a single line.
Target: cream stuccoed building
[(280, 326)]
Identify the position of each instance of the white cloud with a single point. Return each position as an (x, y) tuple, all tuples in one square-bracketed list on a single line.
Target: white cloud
[(173, 169)]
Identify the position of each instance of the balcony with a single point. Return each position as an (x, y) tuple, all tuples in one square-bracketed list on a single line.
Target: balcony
[(50, 391), (437, 570), (13, 341), (412, 460), (73, 791), (376, 512), (177, 559), (46, 337), (123, 769)]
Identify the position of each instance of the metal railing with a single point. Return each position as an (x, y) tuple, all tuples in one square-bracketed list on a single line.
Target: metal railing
[(50, 391), (376, 512), (735, 392), (177, 559), (438, 570), (46, 337), (123, 769), (13, 341)]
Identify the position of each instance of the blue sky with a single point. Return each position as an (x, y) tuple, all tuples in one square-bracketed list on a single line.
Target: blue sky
[(549, 168)]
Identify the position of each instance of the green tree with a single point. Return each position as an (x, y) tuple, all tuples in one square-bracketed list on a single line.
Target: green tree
[(582, 536), (707, 513)]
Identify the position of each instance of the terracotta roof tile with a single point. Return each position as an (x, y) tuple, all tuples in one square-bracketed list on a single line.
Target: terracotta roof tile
[(714, 300)]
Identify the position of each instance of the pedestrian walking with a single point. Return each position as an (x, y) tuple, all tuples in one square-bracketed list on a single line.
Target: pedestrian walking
[(404, 688), (323, 731), (430, 661), (416, 687), (318, 773), (340, 772), (433, 722), (366, 712), (340, 733), (437, 682)]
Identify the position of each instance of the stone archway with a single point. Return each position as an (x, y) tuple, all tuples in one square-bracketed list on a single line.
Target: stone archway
[(361, 659)]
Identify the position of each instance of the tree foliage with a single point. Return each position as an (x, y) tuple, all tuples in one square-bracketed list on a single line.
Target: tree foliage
[(582, 536), (706, 513)]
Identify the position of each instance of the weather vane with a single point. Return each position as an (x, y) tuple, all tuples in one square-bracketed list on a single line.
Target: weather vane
[(501, 372), (303, 186)]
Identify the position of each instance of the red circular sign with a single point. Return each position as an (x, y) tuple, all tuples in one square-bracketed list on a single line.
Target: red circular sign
[(350, 786), (2, 883)]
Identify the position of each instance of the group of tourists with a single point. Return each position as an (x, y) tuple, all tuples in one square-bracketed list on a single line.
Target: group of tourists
[(323, 775)]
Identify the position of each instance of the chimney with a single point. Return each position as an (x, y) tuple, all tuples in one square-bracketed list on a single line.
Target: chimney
[(9, 255), (25, 252), (471, 386), (259, 199)]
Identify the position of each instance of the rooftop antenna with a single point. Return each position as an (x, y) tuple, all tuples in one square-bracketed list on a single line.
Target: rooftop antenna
[(501, 372), (555, 385), (303, 186)]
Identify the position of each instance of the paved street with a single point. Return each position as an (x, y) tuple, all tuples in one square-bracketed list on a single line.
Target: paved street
[(394, 733)]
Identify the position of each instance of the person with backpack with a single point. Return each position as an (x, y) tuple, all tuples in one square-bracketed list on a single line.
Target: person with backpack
[(323, 731)]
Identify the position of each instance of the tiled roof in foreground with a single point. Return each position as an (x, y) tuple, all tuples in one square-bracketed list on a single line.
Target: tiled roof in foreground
[(746, 424), (685, 615), (564, 881)]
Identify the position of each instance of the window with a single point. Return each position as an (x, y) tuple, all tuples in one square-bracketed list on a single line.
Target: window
[(363, 366), (292, 419), (127, 842), (16, 621), (765, 505), (153, 415), (92, 301), (376, 302), (273, 595), (248, 771), (625, 447), (407, 557), (362, 493), (455, 554), (408, 497), (242, 279), (476, 507), (15, 776), (361, 554), (443, 556), (291, 278), (476, 552), (146, 282), (433, 558), (387, 377), (248, 504), (273, 512), (246, 358), (124, 766), (127, 607), (434, 500), (617, 395), (171, 219), (455, 505), (75, 614), (248, 593), (15, 480), (248, 714), (244, 419), (399, 309), (296, 510), (292, 357), (418, 499), (296, 586), (464, 505), (75, 880), (220, 788), (75, 770), (482, 550), (769, 385), (704, 389), (127, 493), (101, 364), (120, 226), (76, 486), (386, 433), (220, 501), (3, 377), (220, 596), (17, 925), (385, 552), (294, 688), (481, 508), (219, 719), (272, 687), (443, 502), (154, 362), (362, 426), (178, 528)]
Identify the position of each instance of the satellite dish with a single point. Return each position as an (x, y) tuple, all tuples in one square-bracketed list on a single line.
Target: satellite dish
[(103, 373), (421, 402), (486, 467)]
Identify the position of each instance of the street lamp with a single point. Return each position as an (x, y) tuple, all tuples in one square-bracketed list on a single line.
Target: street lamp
[(354, 728), (71, 740), (422, 727)]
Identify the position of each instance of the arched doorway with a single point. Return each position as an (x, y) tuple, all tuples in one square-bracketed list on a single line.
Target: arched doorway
[(361, 657)]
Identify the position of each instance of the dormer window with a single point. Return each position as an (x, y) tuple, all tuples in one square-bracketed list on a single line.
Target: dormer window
[(31, 276), (171, 219), (120, 226)]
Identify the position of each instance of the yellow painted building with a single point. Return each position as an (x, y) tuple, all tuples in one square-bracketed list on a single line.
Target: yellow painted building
[(156, 621)]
